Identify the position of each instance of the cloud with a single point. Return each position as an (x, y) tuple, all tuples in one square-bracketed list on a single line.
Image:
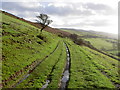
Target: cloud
[(97, 6), (66, 14), (100, 8), (60, 9), (22, 9), (20, 6), (66, 9)]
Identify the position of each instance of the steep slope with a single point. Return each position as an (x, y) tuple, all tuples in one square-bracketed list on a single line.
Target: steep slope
[(34, 60), (48, 29), (23, 47), (91, 69)]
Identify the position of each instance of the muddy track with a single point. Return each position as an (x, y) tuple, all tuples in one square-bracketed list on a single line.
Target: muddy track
[(66, 73), (32, 69), (49, 79)]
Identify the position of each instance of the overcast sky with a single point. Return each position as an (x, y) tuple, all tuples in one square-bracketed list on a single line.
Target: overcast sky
[(98, 15)]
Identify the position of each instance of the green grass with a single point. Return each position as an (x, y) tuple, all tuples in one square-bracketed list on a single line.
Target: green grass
[(87, 66), (37, 80), (59, 68), (80, 33), (100, 43), (22, 45), (104, 45)]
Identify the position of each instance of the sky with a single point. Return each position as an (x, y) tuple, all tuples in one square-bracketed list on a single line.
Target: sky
[(97, 15)]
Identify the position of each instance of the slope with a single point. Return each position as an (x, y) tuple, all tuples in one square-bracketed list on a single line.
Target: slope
[(32, 60), (22, 47), (91, 69)]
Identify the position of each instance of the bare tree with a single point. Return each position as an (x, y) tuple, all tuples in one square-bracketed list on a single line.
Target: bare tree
[(43, 20)]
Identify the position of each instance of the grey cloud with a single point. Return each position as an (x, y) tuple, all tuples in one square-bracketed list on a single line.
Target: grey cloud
[(60, 11), (99, 8), (88, 8), (65, 11), (17, 6)]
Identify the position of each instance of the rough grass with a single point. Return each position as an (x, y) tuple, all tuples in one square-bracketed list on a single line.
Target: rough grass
[(21, 45), (104, 45), (59, 68), (37, 80), (90, 69), (100, 43)]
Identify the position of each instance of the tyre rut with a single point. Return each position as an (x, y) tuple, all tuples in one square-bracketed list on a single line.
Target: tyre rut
[(66, 73), (49, 79), (33, 68)]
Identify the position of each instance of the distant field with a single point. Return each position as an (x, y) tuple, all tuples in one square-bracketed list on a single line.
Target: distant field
[(80, 33), (100, 43), (104, 45), (109, 45)]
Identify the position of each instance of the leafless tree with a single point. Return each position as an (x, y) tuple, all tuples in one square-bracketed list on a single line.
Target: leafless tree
[(43, 20)]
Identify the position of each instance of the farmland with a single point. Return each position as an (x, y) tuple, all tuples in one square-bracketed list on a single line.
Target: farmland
[(103, 41), (30, 59)]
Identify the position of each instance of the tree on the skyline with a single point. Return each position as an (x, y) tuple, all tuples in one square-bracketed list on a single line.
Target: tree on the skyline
[(43, 20)]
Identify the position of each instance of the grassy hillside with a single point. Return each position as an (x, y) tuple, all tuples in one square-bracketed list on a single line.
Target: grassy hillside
[(109, 46), (90, 69), (103, 41), (29, 59), (22, 45)]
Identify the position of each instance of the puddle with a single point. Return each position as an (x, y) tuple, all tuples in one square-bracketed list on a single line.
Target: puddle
[(66, 73)]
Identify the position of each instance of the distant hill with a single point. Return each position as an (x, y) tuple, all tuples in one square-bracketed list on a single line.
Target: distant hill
[(91, 32), (106, 42)]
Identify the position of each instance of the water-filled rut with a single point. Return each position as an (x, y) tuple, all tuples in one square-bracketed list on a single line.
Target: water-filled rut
[(48, 81), (66, 74), (30, 71)]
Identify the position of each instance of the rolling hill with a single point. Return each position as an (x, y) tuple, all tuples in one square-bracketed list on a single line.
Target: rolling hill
[(82, 32), (51, 59), (105, 42)]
